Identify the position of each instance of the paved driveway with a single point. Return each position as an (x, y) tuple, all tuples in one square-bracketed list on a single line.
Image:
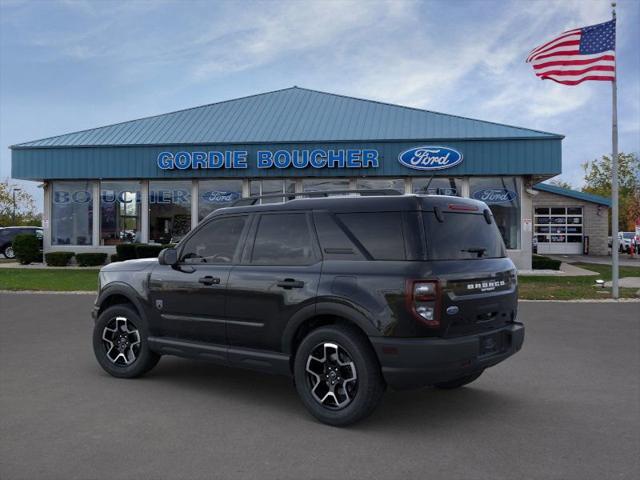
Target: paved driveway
[(566, 407)]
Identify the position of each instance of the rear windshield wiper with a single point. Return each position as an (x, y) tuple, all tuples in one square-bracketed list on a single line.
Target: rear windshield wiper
[(479, 250)]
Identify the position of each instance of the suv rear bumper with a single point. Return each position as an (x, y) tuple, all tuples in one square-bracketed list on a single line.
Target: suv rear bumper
[(417, 362)]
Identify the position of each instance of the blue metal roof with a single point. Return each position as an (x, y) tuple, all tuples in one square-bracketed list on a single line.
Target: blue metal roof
[(291, 115), (565, 192)]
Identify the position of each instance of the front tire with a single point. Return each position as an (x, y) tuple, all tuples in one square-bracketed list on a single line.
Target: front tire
[(120, 343), (337, 375)]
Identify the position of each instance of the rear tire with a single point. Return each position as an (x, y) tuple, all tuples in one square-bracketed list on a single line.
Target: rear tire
[(459, 382), (337, 375), (120, 343), (8, 252)]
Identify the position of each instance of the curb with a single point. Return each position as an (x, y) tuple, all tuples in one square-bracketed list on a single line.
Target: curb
[(585, 300), (47, 292)]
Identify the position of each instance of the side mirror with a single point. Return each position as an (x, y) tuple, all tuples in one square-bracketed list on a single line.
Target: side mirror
[(168, 256)]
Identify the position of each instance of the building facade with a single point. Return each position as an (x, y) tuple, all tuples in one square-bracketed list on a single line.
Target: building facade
[(570, 222), (153, 179)]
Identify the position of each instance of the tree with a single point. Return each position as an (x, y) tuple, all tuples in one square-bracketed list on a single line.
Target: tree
[(25, 207), (558, 182), (597, 179)]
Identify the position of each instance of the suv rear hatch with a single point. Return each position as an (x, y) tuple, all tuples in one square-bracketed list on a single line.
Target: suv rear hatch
[(477, 281)]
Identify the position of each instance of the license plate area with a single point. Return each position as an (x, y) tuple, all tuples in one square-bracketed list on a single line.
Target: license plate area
[(493, 344)]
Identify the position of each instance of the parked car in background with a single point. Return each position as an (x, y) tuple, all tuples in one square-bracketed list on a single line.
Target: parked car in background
[(346, 295), (625, 241), (7, 234)]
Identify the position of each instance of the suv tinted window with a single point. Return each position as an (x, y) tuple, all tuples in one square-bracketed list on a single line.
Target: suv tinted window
[(462, 236), (379, 233), (215, 243), (283, 239)]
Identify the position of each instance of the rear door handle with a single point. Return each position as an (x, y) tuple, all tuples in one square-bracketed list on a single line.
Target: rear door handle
[(209, 280), (290, 283)]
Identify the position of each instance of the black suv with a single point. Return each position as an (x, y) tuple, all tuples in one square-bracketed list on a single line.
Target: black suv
[(346, 294), (7, 234)]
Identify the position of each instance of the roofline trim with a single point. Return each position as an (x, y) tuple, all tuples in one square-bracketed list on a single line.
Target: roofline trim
[(575, 194)]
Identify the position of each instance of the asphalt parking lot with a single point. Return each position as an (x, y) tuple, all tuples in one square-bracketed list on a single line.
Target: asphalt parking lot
[(567, 406)]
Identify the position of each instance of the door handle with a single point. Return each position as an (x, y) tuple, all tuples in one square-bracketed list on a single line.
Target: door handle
[(209, 280), (288, 283)]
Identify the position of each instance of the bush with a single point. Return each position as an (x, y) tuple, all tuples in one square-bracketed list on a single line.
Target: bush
[(545, 263), (114, 258), (91, 259), (126, 251), (27, 248), (58, 259), (148, 251)]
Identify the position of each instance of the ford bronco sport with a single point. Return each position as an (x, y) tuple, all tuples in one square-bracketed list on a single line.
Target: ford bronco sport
[(347, 295)]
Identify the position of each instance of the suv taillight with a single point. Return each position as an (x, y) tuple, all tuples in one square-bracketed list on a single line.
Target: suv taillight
[(423, 300)]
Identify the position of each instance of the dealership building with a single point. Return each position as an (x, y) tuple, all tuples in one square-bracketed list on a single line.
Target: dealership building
[(153, 179)]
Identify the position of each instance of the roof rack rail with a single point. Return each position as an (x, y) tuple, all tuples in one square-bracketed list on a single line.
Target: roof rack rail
[(290, 196)]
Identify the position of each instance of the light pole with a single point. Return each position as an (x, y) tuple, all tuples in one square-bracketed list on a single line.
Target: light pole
[(14, 203)]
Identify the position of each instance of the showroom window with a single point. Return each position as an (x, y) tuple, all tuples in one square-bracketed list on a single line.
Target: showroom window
[(215, 194), (437, 186), (381, 184), (169, 210), (324, 184), (72, 213), (119, 212), (502, 197), (270, 187)]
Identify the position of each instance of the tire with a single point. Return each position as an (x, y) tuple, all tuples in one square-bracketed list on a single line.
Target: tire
[(123, 352), (8, 252), (358, 385), (459, 382)]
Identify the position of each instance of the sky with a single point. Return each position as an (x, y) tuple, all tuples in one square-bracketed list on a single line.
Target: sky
[(72, 65)]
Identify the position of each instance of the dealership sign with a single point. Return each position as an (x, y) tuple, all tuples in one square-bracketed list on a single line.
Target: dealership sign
[(265, 159), (430, 158), (495, 195)]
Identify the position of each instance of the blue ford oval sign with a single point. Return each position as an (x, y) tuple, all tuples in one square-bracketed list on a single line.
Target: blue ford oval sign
[(430, 158), (495, 195), (219, 197)]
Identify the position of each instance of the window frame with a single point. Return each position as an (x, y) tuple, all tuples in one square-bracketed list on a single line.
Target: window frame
[(239, 248), (247, 253)]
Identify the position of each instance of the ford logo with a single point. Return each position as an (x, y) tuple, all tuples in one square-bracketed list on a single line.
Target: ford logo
[(430, 158), (495, 195), (220, 197)]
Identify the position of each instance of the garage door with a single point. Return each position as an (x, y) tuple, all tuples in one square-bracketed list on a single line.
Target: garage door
[(558, 229)]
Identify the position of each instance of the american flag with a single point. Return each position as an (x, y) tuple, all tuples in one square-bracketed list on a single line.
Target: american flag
[(587, 53)]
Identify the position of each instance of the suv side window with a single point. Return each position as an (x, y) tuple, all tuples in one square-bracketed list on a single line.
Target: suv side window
[(214, 243), (283, 239), (380, 233)]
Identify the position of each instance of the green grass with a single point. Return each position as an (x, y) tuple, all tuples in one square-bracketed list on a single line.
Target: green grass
[(570, 288), (49, 279)]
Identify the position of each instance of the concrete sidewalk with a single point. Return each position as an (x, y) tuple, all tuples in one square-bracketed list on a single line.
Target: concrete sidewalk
[(37, 266), (566, 270), (624, 259)]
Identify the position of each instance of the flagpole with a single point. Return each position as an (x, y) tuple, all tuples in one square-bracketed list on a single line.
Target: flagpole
[(614, 176)]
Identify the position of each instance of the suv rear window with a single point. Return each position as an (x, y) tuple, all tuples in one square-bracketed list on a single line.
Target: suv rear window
[(379, 233), (462, 236)]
